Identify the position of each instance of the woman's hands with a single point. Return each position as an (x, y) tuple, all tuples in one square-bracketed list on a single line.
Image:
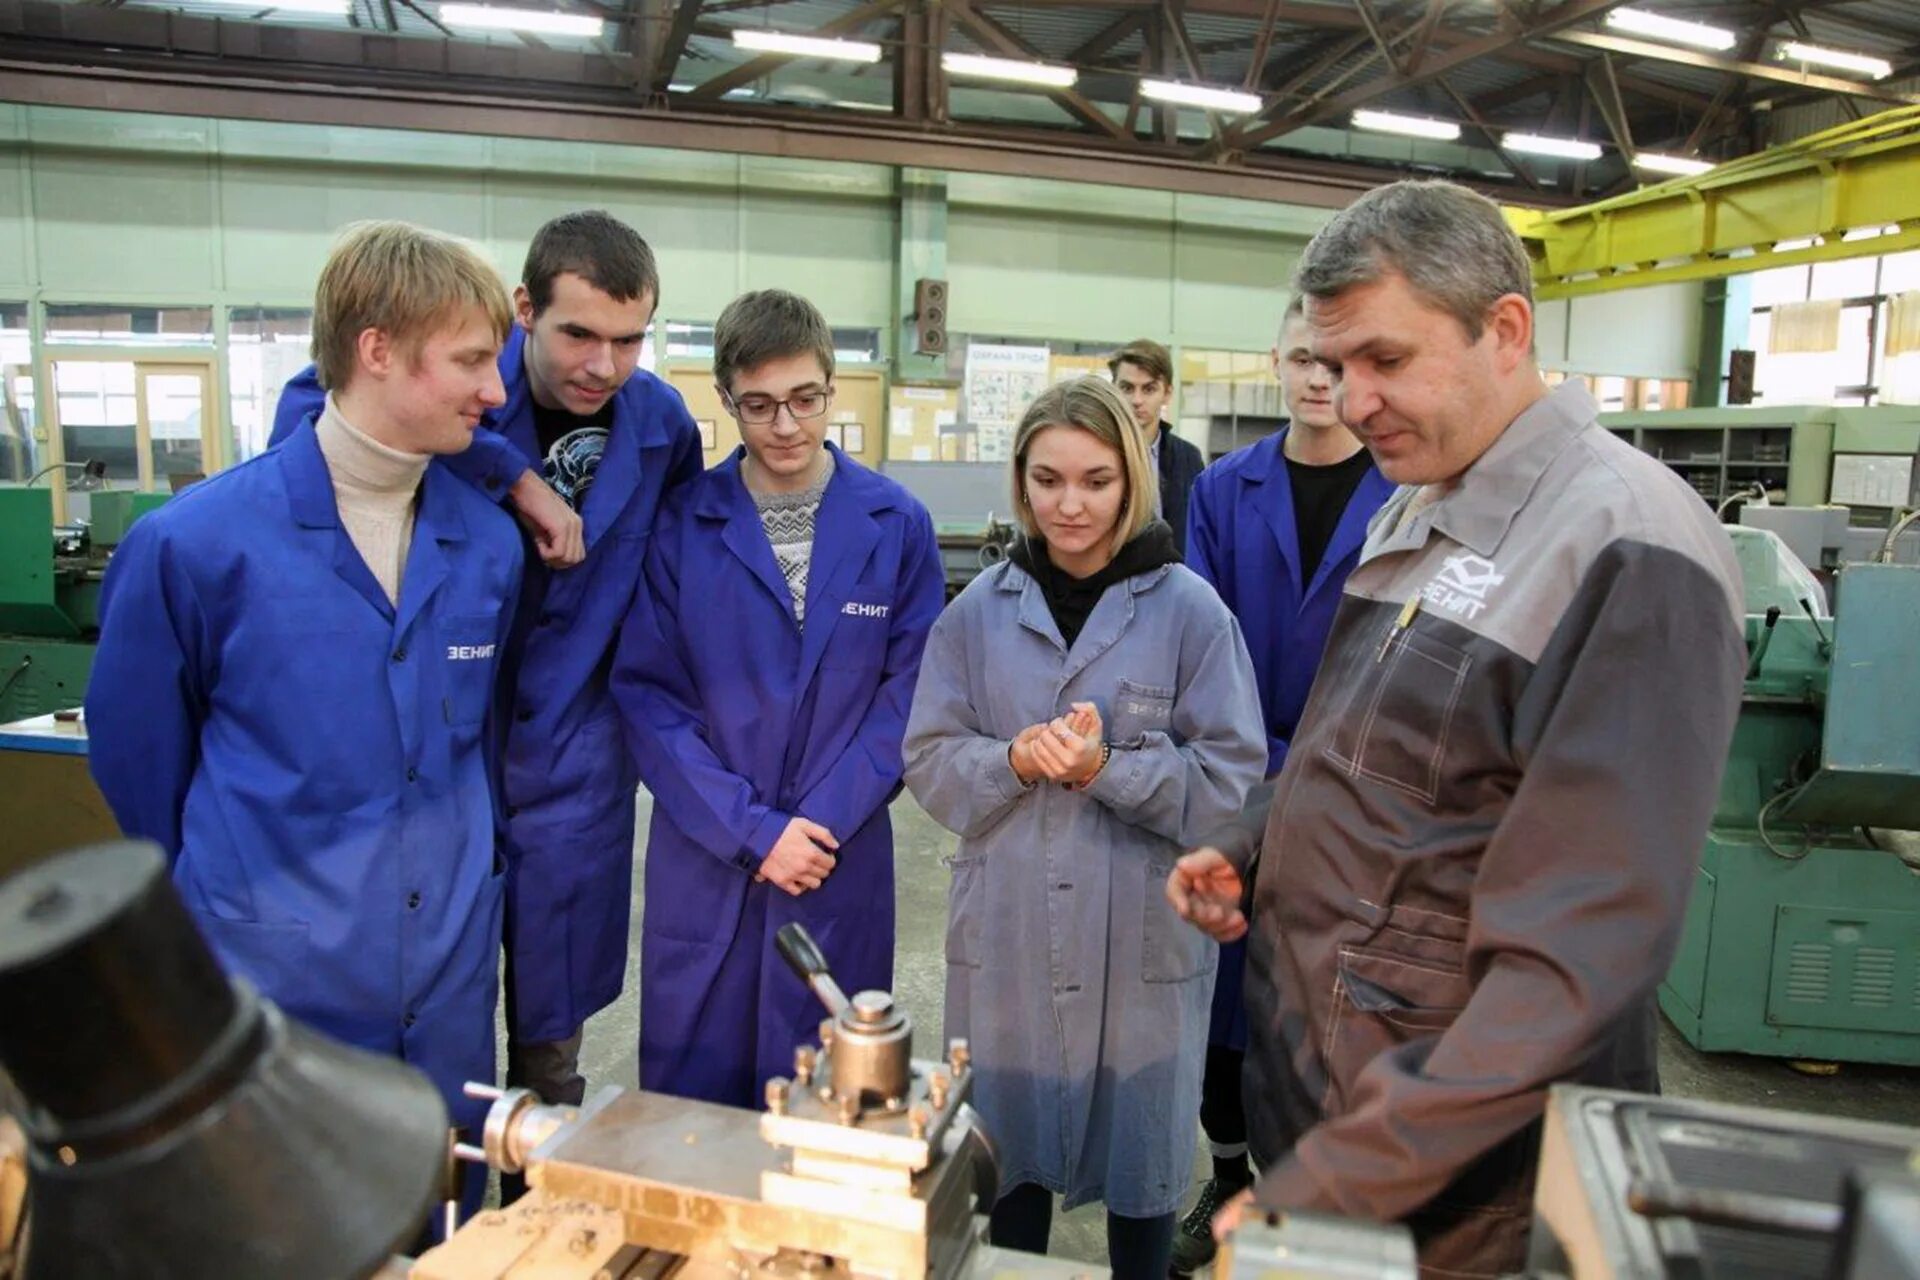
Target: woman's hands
[(1066, 749)]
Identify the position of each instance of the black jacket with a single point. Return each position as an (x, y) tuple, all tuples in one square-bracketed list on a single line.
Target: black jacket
[(1180, 465)]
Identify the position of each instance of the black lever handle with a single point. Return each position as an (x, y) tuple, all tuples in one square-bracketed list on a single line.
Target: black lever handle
[(809, 964)]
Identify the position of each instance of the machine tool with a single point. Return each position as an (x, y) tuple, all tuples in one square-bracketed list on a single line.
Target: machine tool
[(50, 594), (1802, 937), (1632, 1187)]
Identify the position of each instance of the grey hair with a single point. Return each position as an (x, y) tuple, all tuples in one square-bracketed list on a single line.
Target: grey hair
[(1452, 245)]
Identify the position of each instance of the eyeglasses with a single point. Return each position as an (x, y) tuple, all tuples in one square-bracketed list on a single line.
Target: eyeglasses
[(759, 410)]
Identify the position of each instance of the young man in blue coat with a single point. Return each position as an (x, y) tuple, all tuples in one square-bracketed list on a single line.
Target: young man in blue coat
[(584, 427), (765, 677), (293, 691), (1276, 527)]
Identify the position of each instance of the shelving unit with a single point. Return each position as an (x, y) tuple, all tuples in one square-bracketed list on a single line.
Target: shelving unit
[(1722, 451)]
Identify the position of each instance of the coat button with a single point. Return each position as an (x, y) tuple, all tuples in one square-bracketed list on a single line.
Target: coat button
[(400, 654), (413, 774), (413, 901), (407, 1021), (513, 811), (545, 620), (524, 714)]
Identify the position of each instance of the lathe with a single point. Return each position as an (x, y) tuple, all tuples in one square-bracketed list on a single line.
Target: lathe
[(1802, 937)]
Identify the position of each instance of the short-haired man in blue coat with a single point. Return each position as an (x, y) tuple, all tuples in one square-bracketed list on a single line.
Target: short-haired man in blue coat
[(1276, 527), (293, 691), (584, 448), (765, 677)]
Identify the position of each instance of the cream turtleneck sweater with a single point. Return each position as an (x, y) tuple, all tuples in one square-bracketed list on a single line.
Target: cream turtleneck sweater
[(374, 487)]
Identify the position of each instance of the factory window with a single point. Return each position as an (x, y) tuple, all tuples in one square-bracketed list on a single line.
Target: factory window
[(122, 325), (19, 457), (1845, 332), (692, 341), (265, 347)]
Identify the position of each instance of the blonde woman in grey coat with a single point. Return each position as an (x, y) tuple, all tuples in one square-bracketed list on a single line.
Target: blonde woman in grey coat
[(1085, 713)]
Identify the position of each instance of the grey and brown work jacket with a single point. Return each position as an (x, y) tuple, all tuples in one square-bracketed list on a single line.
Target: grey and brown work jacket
[(1476, 861)]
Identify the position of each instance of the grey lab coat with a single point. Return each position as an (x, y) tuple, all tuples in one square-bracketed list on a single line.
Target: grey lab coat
[(1084, 997)]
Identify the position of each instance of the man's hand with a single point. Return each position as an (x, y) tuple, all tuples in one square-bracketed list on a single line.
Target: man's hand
[(1205, 890), (801, 859), (557, 532), (1230, 1214)]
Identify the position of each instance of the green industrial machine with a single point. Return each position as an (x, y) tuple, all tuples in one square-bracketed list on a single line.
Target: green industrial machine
[(1802, 938), (50, 594)]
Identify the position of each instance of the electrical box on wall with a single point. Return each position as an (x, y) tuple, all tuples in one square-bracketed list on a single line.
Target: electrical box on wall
[(929, 317)]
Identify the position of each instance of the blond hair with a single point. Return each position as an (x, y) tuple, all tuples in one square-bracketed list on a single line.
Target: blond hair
[(1090, 404), (404, 280)]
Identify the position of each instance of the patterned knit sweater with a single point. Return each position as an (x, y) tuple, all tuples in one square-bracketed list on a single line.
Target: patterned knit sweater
[(788, 520)]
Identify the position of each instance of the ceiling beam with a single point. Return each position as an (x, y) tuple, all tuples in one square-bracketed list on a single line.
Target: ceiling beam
[(685, 14), (1262, 44), (1101, 43), (714, 87), (1487, 132), (1605, 92), (1006, 44), (1734, 66), (1177, 28), (1507, 34)]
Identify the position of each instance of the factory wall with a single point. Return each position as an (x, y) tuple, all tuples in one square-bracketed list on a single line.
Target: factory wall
[(148, 210), (98, 206)]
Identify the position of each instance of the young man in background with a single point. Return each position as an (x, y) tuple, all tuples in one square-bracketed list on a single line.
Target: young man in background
[(1143, 371)]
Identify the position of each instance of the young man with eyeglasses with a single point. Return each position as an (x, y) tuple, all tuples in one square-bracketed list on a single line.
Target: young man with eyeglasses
[(765, 674)]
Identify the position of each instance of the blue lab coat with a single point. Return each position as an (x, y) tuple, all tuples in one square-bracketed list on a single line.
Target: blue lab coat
[(1242, 538), (313, 760), (569, 782), (741, 721)]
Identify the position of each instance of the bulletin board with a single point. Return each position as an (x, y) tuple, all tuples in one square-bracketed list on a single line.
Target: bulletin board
[(921, 426)]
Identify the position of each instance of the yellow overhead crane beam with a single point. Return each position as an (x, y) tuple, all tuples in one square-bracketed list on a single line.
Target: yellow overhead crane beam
[(1728, 220)]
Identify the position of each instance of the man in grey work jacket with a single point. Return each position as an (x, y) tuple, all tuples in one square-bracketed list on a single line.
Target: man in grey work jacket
[(1476, 859)]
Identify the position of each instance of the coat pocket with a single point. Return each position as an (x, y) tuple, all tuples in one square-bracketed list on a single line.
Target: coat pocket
[(1139, 709), (1171, 950), (1395, 732), (273, 957), (966, 912), (1382, 1001)]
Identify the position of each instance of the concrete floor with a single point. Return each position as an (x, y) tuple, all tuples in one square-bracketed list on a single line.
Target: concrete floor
[(610, 1054)]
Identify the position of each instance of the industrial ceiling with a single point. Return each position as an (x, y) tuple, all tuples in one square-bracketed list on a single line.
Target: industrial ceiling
[(673, 72)]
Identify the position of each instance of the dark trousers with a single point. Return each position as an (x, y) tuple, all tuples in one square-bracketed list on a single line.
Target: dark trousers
[(1137, 1248)]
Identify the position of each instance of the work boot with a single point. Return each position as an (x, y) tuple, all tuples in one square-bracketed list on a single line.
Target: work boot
[(1193, 1245)]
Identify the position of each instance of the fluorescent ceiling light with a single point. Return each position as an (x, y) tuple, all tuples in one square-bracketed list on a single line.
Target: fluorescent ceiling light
[(1411, 126), (1041, 73), (1661, 27), (805, 46), (335, 8), (1565, 148), (546, 22), (1839, 59), (1684, 166), (1200, 95)]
